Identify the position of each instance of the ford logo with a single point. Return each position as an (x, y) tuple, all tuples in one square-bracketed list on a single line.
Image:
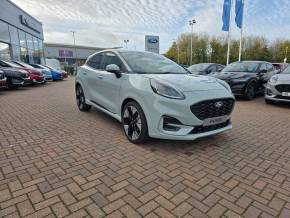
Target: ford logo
[(153, 41), (218, 104)]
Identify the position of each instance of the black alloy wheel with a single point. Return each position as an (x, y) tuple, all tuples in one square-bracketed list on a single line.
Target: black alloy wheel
[(81, 100), (250, 92)]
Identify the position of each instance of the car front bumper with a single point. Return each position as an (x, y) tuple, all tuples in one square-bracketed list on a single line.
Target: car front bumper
[(272, 94), (188, 126)]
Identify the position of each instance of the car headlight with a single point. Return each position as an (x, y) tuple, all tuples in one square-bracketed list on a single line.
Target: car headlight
[(224, 84), (273, 79), (166, 90)]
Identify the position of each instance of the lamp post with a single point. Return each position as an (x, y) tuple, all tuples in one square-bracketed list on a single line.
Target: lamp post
[(177, 48), (126, 41), (76, 57), (191, 23), (286, 53)]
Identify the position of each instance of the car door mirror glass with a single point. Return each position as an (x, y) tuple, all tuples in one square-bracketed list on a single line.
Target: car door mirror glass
[(113, 68)]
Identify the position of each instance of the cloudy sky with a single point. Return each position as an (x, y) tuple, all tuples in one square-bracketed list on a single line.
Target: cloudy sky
[(106, 23)]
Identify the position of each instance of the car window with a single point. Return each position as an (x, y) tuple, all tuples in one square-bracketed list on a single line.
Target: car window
[(249, 67), (212, 69), (111, 58), (220, 68), (95, 61), (198, 67), (263, 67), (8, 64), (270, 67)]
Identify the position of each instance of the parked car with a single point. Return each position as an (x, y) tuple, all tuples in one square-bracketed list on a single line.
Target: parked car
[(278, 87), (247, 78), (56, 74), (153, 96), (205, 68), (45, 71), (35, 76), (280, 66), (16, 76), (53, 63), (2, 79)]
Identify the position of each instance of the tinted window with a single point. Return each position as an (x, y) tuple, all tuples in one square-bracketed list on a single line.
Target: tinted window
[(198, 67), (270, 67), (249, 67), (212, 69), (263, 67), (111, 58), (95, 61)]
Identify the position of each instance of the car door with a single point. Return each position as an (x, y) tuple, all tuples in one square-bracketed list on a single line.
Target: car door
[(91, 75), (110, 89)]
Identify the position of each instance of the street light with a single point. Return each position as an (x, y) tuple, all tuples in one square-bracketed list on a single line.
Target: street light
[(76, 63), (191, 23), (286, 52), (177, 48), (126, 41)]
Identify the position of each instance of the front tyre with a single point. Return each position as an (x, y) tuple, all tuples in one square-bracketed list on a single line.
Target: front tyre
[(134, 123), (81, 100), (250, 92)]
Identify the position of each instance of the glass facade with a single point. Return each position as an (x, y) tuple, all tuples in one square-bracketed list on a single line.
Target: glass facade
[(19, 45)]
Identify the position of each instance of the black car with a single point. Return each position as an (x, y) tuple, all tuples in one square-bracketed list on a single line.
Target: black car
[(205, 68), (15, 77), (247, 78)]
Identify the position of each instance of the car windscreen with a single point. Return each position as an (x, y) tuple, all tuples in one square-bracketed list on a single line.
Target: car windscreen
[(249, 67), (8, 64), (286, 71), (198, 67), (150, 63)]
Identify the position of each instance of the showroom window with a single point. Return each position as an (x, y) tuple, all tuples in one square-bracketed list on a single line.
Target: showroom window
[(13, 35), (29, 41), (24, 54), (22, 39), (15, 52), (4, 33), (4, 51)]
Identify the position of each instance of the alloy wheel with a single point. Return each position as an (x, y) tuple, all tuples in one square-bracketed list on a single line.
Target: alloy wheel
[(132, 122)]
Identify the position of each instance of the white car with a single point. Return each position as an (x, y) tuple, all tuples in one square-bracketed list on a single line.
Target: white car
[(153, 96), (278, 87)]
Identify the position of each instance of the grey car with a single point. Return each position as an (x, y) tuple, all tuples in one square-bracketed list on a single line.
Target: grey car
[(278, 87)]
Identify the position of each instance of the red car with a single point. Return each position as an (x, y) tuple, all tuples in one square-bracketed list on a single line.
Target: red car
[(2, 79), (34, 77)]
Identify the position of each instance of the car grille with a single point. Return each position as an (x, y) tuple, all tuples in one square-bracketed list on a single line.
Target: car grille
[(282, 97), (283, 88), (203, 129), (208, 109)]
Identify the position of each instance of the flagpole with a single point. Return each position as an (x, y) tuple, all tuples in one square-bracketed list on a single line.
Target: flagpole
[(229, 35), (241, 36)]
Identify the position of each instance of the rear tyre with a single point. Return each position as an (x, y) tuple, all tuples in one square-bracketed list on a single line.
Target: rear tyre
[(250, 92), (134, 123), (81, 100)]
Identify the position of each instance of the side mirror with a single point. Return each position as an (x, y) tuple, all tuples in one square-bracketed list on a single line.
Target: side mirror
[(263, 72), (113, 68)]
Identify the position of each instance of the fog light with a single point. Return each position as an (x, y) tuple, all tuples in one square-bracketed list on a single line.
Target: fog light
[(171, 123), (269, 92)]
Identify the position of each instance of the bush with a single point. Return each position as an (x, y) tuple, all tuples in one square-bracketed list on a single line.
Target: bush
[(69, 69)]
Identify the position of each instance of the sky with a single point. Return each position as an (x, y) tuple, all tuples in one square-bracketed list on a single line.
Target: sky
[(107, 23)]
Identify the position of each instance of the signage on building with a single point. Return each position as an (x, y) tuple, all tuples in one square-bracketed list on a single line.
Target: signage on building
[(152, 44), (65, 53), (28, 22)]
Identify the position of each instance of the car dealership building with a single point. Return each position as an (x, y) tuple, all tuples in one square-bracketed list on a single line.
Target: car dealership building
[(21, 35)]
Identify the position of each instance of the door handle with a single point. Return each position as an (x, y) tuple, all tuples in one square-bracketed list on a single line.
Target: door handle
[(100, 77)]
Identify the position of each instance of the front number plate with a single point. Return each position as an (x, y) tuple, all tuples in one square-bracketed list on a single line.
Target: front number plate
[(215, 120), (286, 94)]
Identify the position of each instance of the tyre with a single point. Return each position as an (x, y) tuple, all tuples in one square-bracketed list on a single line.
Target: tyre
[(134, 123), (81, 100), (267, 101), (250, 92)]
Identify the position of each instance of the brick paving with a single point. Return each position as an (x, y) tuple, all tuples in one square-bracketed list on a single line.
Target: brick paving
[(58, 162)]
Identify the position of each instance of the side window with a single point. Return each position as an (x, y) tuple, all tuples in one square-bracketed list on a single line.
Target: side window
[(263, 67), (95, 61), (111, 58), (220, 68), (270, 67), (212, 69)]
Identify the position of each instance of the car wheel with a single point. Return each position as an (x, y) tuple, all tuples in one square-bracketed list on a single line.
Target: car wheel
[(250, 92), (134, 123), (81, 100)]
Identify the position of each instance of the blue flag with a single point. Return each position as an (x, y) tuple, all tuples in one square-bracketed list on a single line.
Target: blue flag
[(226, 15), (239, 13)]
